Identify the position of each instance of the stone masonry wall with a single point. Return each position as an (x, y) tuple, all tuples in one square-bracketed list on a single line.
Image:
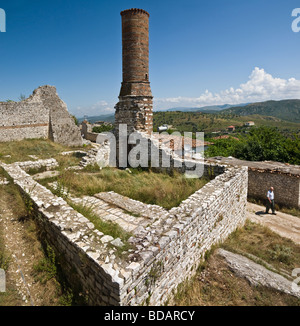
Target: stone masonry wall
[(42, 115), (177, 243), (167, 247), (285, 179), (286, 187), (25, 119), (135, 104)]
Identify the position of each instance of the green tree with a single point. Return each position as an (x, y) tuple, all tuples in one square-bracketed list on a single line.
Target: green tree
[(261, 144)]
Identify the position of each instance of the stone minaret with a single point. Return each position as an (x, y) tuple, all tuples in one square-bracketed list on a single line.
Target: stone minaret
[(135, 100)]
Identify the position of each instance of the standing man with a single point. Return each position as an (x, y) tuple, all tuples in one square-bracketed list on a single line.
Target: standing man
[(270, 201)]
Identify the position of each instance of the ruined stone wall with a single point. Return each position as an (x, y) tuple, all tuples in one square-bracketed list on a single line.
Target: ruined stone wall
[(87, 133), (167, 247), (174, 246), (25, 119), (42, 115), (80, 248)]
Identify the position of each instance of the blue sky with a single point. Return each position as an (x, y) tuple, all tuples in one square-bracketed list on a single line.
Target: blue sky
[(201, 52)]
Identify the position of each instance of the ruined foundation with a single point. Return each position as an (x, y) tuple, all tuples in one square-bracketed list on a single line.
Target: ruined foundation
[(167, 245)]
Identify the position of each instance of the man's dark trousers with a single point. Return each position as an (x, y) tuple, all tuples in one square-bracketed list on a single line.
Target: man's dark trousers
[(270, 205)]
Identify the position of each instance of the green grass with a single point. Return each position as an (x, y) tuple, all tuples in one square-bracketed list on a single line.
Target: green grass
[(214, 284), (209, 122), (260, 241), (19, 150), (4, 257), (45, 269), (145, 186)]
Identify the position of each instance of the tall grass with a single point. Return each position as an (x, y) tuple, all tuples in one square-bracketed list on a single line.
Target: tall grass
[(146, 186), (260, 241)]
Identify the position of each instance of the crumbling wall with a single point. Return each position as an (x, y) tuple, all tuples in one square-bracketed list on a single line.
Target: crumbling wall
[(42, 115), (86, 130)]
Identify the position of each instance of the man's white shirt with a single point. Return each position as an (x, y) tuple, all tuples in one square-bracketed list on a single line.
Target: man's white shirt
[(270, 195)]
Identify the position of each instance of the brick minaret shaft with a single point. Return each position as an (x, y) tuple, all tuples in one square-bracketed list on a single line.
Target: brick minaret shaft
[(135, 100)]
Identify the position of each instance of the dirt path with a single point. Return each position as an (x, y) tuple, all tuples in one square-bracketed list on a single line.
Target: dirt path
[(24, 251), (287, 226)]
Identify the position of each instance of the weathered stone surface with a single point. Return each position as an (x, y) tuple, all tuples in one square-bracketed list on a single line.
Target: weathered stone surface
[(42, 115), (117, 242), (3, 181), (135, 106), (256, 274)]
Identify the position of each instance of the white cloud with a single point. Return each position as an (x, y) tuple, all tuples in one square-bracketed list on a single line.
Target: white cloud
[(261, 86), (99, 108)]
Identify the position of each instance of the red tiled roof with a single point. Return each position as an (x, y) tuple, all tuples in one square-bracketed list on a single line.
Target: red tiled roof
[(178, 143), (225, 137)]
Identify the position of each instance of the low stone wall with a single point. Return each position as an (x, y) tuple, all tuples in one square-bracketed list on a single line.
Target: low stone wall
[(80, 248), (86, 130), (167, 249), (91, 136), (48, 164), (177, 243)]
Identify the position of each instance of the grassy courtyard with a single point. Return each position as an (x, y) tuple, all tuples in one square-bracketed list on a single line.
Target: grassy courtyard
[(144, 185)]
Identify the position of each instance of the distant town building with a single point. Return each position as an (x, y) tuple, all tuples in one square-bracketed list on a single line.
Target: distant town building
[(231, 128), (249, 124), (183, 146), (163, 128)]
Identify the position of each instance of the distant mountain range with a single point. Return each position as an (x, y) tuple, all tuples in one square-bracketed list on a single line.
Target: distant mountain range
[(286, 109), (207, 109), (104, 117)]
